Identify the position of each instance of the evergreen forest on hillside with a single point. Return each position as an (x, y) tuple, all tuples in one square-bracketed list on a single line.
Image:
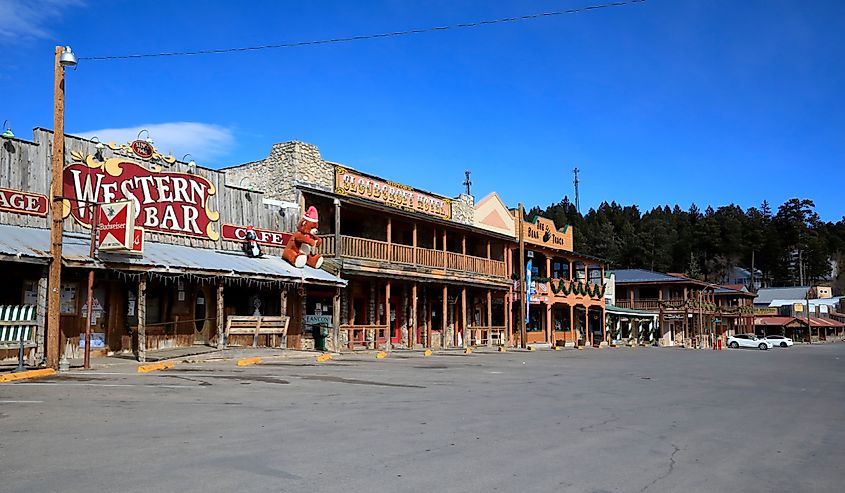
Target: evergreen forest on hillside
[(707, 244)]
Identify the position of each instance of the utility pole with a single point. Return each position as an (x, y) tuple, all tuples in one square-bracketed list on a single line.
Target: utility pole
[(577, 193), (800, 267), (468, 182), (53, 337), (520, 219), (753, 286)]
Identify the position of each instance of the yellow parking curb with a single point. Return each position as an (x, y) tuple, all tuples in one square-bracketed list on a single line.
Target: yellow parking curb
[(249, 361), (323, 357), (531, 348), (555, 348), (381, 355), (427, 352), (164, 365), (580, 347), (502, 349), (468, 350), (23, 375)]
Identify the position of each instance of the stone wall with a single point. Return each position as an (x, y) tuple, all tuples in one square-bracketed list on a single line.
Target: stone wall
[(289, 164), (463, 209)]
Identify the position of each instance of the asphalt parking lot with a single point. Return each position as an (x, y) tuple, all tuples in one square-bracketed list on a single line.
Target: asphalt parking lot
[(624, 420)]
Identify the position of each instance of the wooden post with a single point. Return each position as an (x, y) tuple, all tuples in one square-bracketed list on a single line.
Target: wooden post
[(488, 249), (572, 324), (464, 244), (221, 323), (464, 327), (445, 262), (550, 335), (53, 336), (506, 316), (489, 314), (389, 238), (387, 334), (142, 319), (444, 320), (412, 330), (337, 249), (336, 320), (40, 316), (522, 286), (414, 243)]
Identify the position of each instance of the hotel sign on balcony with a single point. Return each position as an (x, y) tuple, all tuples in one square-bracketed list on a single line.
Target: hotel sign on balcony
[(353, 184), (543, 232)]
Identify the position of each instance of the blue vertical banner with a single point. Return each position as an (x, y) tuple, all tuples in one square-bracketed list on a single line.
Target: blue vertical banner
[(527, 289)]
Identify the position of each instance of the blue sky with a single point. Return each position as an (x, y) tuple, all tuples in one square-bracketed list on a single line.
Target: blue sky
[(665, 102)]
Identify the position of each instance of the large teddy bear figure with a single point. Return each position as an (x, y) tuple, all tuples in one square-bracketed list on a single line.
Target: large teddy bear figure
[(301, 249)]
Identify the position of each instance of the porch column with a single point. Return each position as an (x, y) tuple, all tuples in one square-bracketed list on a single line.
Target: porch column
[(387, 333), (549, 332), (464, 244), (221, 322), (40, 316), (412, 330), (389, 238), (414, 244), (464, 327), (338, 251), (488, 250), (142, 319), (507, 306), (335, 319), (489, 311), (445, 262), (444, 319), (572, 324)]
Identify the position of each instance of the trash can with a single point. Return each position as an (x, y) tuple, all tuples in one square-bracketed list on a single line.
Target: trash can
[(320, 332)]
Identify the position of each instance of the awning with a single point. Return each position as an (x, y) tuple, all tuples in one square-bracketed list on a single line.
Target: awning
[(32, 244), (628, 312)]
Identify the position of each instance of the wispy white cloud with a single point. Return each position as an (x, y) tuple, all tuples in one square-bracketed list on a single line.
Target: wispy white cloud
[(20, 19), (204, 141)]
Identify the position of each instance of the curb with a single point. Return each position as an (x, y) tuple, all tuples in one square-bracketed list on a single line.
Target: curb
[(468, 350), (164, 365), (249, 361), (427, 353), (381, 355), (23, 375), (323, 358)]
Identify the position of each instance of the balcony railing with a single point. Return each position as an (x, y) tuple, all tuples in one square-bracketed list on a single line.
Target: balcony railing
[(363, 248), (640, 304)]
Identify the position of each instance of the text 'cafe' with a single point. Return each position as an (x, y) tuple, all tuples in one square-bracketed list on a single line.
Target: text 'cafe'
[(169, 266)]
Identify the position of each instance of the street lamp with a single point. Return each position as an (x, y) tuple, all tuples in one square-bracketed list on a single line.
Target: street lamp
[(64, 58)]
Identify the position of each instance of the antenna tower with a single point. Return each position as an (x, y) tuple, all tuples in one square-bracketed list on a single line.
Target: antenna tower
[(468, 182), (577, 193)]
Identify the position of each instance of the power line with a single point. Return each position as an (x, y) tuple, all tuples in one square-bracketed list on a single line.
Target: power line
[(409, 32)]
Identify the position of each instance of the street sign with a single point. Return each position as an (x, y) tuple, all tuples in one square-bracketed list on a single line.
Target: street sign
[(115, 225)]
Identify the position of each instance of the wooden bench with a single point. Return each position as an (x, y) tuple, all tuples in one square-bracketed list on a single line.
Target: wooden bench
[(17, 323), (256, 326)]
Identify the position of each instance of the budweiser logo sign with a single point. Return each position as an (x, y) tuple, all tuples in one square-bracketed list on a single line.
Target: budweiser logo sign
[(114, 226), (164, 202)]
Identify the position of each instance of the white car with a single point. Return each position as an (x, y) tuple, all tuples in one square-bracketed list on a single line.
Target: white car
[(781, 341), (748, 340)]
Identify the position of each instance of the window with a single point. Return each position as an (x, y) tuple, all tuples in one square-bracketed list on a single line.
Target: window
[(560, 269)]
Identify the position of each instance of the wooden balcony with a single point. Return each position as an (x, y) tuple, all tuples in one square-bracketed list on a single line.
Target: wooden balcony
[(652, 305), (363, 248)]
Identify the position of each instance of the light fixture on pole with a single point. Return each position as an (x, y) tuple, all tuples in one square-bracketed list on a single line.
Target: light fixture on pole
[(148, 140), (7, 131), (99, 146), (64, 57), (192, 165)]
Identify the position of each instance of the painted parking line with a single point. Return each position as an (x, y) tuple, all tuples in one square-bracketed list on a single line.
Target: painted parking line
[(21, 402), (92, 384)]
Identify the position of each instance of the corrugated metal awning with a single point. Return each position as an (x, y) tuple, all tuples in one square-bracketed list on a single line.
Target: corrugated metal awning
[(34, 244)]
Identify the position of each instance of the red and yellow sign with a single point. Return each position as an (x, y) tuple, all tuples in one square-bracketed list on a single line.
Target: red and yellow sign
[(543, 232), (348, 182), (263, 236), (20, 202), (163, 201), (115, 226)]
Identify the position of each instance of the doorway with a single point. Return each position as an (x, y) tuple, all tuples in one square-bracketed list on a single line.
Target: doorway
[(204, 315), (395, 320)]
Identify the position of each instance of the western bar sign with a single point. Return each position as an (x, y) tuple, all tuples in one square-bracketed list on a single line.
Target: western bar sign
[(20, 202), (353, 184), (543, 232), (163, 201), (115, 229), (231, 232)]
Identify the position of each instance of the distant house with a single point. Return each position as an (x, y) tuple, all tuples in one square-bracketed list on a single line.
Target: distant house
[(765, 296), (741, 275)]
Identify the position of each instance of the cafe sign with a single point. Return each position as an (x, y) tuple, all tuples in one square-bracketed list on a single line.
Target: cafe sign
[(19, 202), (232, 232), (354, 184), (543, 232), (163, 201)]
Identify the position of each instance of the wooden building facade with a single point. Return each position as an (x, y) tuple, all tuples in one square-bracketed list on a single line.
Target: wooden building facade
[(188, 271)]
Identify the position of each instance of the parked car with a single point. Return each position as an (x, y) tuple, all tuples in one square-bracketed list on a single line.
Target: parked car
[(781, 341), (748, 340)]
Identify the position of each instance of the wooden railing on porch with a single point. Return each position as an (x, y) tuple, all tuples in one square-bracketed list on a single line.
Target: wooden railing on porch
[(364, 248), (485, 335), (379, 333)]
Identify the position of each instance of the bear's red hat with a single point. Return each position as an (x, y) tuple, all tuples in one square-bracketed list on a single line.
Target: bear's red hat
[(311, 214)]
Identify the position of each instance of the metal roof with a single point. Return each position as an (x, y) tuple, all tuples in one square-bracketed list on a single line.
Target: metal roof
[(159, 257), (643, 275), (767, 295), (615, 310)]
